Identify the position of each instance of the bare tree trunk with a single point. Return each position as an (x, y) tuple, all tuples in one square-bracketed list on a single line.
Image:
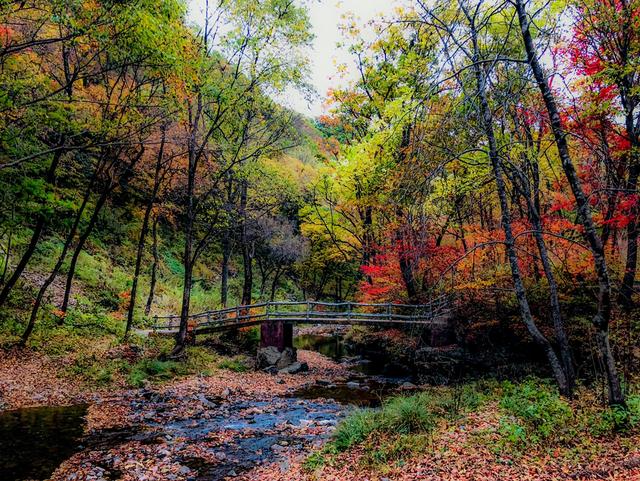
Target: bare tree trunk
[(629, 278), (81, 241), (157, 178), (226, 248), (556, 314), (274, 284), (247, 255), (523, 303), (7, 257), (154, 266), (56, 269), (224, 275), (187, 258), (37, 230), (602, 317)]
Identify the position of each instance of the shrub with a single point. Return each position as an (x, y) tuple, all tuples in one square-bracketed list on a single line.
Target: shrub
[(409, 415), (615, 418), (538, 413)]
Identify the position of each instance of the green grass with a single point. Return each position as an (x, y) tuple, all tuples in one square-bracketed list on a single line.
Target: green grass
[(235, 364), (401, 426)]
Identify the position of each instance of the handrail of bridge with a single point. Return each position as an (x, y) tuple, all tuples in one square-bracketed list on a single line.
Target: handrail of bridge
[(418, 314)]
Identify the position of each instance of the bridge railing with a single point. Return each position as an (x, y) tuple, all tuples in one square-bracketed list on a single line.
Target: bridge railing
[(312, 311)]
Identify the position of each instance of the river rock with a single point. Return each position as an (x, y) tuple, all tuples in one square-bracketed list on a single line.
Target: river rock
[(353, 385), (295, 368), (322, 382), (407, 386), (287, 358), (270, 356)]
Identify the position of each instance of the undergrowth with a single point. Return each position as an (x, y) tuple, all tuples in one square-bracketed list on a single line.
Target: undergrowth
[(532, 417), (402, 426)]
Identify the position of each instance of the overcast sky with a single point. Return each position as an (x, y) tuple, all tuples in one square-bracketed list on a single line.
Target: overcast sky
[(325, 16)]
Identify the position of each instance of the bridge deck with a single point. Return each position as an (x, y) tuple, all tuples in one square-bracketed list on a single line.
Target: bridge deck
[(311, 312)]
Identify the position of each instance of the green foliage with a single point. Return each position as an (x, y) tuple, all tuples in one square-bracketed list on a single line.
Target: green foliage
[(356, 428), (537, 413), (416, 414), (154, 369), (615, 419), (235, 364)]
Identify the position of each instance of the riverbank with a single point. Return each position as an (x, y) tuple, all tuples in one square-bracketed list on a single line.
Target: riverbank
[(196, 427), (226, 421)]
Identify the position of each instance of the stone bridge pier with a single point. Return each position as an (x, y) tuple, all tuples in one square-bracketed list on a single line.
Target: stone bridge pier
[(278, 334), (276, 352)]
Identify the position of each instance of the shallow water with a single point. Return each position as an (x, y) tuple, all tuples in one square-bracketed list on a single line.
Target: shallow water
[(34, 441), (334, 347)]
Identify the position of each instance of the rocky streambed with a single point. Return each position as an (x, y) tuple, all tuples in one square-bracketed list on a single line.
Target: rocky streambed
[(224, 426)]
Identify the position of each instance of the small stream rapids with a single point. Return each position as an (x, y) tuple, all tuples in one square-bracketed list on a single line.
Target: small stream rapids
[(208, 438)]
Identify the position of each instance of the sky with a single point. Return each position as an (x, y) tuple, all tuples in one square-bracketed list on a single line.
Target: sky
[(325, 17)]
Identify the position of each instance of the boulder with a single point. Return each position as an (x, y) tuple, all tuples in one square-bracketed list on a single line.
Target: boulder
[(267, 356), (287, 357), (295, 368), (270, 357)]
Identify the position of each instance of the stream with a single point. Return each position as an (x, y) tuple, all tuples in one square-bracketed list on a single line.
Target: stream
[(204, 438)]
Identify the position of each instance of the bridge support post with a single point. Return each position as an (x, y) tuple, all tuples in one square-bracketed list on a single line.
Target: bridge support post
[(277, 334)]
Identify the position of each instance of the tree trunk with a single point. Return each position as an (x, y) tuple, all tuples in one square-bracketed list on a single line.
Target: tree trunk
[(556, 314), (154, 266), (187, 258), (226, 248), (523, 303), (629, 278), (274, 284), (247, 255), (602, 317), (37, 231), (143, 233), (81, 241), (56, 269), (224, 276), (7, 257)]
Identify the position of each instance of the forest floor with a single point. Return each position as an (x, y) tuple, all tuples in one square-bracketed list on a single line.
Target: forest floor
[(247, 425)]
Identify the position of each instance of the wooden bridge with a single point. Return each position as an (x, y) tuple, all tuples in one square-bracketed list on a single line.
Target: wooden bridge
[(277, 318)]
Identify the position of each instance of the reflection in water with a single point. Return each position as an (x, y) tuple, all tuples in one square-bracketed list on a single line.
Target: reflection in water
[(372, 379), (334, 347), (34, 441), (331, 346)]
